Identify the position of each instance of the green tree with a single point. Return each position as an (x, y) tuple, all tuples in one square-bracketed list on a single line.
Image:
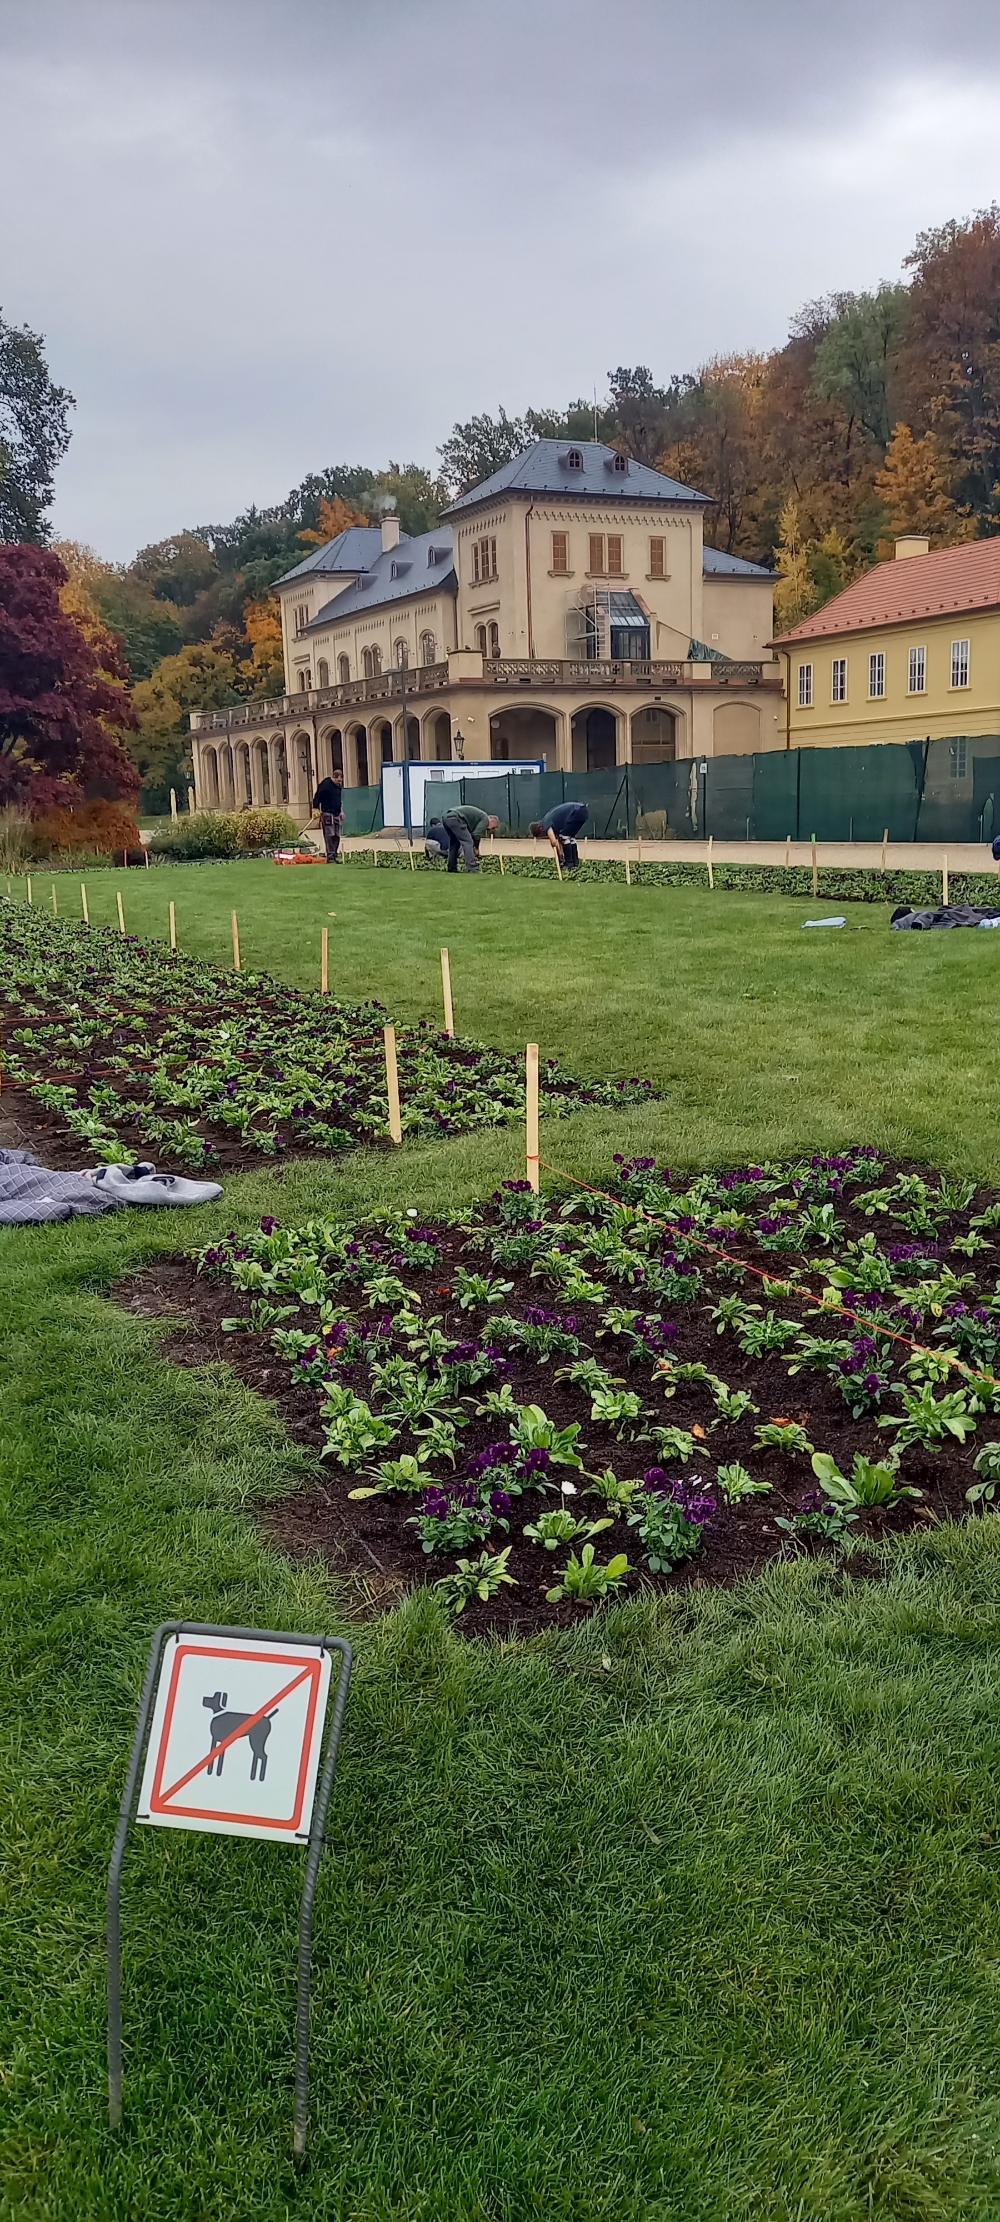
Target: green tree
[(418, 497), (856, 358), (177, 570), (474, 450), (34, 433)]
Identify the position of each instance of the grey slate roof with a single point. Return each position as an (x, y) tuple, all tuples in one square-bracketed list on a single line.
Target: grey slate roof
[(415, 573), (719, 566), (351, 550), (542, 469)]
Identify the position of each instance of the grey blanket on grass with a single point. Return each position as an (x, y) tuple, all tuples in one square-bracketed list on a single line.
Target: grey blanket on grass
[(950, 914), (30, 1194)]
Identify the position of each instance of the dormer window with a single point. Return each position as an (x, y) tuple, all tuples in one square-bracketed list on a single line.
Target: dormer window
[(574, 459), (620, 463)]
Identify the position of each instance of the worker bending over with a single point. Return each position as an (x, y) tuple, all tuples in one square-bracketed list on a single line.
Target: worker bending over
[(465, 829), (560, 827)]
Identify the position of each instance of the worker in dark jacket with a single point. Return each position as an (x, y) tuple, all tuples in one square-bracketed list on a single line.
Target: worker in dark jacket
[(328, 806), (465, 829), (436, 843), (560, 827)]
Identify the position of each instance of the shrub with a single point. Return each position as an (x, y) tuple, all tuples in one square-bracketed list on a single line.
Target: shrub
[(99, 828), (222, 833)]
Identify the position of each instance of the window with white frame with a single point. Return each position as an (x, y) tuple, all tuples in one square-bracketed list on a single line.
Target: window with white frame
[(428, 648), (876, 675), (484, 560), (958, 751), (322, 673), (838, 679), (960, 663), (400, 655), (301, 616), (916, 678), (805, 686), (493, 644), (343, 669)]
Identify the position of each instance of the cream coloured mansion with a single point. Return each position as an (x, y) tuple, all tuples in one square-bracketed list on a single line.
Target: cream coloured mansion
[(567, 609)]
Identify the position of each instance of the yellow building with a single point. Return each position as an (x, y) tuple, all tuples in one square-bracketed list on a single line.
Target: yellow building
[(909, 652), (567, 609)]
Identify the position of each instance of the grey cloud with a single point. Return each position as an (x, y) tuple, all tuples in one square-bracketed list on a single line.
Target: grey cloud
[(260, 238)]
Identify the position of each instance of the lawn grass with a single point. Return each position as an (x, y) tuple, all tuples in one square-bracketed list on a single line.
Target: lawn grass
[(693, 1914)]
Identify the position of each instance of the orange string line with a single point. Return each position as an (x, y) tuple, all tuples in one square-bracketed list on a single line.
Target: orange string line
[(772, 1280)]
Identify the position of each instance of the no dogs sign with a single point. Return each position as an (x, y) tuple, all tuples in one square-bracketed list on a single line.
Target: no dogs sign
[(230, 1740), (235, 1737)]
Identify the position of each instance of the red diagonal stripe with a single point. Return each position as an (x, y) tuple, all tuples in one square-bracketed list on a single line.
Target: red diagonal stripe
[(234, 1737)]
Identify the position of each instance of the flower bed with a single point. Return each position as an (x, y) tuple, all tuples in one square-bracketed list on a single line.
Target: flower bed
[(552, 1401), (131, 1051), (835, 883)]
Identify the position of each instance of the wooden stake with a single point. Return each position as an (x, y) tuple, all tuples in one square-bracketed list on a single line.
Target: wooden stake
[(501, 864), (392, 1086), (121, 913), (84, 908), (324, 960), (374, 855), (236, 941), (555, 853), (815, 867), (55, 901), (885, 843), (145, 853), (638, 850), (788, 848), (29, 887), (412, 863), (628, 875), (944, 878), (708, 860), (449, 1015), (173, 804), (172, 916), (532, 1167)]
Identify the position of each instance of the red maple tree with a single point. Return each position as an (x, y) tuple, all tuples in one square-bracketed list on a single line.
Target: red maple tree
[(62, 713)]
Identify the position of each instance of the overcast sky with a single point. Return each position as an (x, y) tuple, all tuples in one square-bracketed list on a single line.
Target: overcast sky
[(262, 236)]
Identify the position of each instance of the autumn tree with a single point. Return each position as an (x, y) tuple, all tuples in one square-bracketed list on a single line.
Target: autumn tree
[(262, 624), (199, 677), (950, 368), (34, 433), (913, 486), (794, 594), (62, 718), (335, 515)]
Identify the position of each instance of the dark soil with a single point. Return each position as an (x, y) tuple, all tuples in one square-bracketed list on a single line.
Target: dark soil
[(371, 1542)]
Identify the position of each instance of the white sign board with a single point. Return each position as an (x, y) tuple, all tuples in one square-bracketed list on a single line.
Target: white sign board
[(235, 1740), (420, 778)]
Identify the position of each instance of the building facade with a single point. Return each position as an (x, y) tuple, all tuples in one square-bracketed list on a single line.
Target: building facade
[(910, 652), (567, 609)]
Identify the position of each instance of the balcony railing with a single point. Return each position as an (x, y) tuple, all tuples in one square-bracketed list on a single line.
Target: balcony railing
[(497, 671)]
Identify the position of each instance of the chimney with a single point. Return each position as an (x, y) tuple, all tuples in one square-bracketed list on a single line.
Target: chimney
[(390, 530), (908, 544)]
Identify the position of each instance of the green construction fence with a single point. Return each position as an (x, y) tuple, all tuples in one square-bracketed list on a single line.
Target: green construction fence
[(915, 791)]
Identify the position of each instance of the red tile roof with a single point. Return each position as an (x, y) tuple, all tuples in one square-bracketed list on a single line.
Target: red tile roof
[(908, 589)]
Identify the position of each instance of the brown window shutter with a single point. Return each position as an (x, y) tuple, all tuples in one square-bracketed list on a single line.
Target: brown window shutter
[(657, 550), (615, 554), (597, 551), (560, 551)]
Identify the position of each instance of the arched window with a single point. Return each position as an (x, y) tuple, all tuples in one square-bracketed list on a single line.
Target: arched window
[(322, 673), (620, 464), (574, 460), (366, 663), (376, 656), (400, 655), (428, 648), (303, 682), (494, 647), (343, 670), (481, 641)]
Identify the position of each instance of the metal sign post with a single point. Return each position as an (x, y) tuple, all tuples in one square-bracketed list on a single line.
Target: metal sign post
[(244, 1758)]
